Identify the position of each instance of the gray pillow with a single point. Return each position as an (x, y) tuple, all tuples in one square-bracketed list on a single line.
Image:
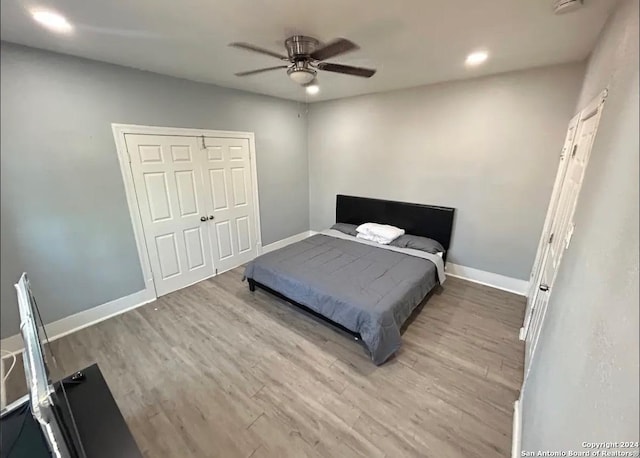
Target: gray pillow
[(418, 243), (349, 229)]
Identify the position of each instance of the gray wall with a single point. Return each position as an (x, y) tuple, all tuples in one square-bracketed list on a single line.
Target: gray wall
[(64, 215), (584, 378), (488, 146)]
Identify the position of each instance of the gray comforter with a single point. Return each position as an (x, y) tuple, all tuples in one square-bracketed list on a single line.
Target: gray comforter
[(367, 289)]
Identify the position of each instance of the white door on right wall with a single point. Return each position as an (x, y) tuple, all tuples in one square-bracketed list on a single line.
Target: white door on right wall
[(536, 272), (227, 178), (561, 224)]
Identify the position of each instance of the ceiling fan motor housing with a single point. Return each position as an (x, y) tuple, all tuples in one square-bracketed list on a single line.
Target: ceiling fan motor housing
[(300, 46)]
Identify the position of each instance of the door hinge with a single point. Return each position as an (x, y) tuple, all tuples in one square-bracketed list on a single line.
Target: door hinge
[(575, 148), (203, 145), (216, 271), (551, 237)]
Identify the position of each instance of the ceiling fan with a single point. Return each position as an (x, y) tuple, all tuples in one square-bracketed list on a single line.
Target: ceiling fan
[(306, 56)]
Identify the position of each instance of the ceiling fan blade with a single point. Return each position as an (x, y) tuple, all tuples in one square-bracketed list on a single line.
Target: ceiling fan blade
[(260, 70), (250, 47), (347, 69), (335, 48)]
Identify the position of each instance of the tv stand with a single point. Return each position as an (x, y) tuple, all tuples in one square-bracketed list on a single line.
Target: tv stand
[(101, 426)]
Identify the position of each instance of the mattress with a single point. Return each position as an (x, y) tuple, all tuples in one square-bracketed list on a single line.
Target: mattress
[(367, 288)]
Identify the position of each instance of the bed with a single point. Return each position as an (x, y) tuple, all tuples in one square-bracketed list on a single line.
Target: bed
[(363, 288)]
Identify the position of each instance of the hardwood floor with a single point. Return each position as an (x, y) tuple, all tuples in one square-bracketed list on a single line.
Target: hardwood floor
[(216, 371)]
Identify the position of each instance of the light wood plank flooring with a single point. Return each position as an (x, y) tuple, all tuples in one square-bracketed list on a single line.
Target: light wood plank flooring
[(216, 371)]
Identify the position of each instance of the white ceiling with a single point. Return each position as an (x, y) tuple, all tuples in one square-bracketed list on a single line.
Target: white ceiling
[(410, 42)]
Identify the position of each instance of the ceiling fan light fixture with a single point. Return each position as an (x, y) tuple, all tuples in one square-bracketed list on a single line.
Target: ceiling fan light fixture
[(52, 21), (476, 58), (312, 88), (301, 75)]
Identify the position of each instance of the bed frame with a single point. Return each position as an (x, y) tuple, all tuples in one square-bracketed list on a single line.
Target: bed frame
[(416, 219)]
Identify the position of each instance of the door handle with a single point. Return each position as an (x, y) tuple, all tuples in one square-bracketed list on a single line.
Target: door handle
[(203, 218), (544, 287), (210, 216)]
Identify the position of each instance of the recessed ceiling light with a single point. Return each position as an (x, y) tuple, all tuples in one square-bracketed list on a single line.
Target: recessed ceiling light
[(52, 21), (312, 89), (476, 58)]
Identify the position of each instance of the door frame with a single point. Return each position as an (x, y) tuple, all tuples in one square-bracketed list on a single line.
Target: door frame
[(596, 104), (119, 132), (594, 108)]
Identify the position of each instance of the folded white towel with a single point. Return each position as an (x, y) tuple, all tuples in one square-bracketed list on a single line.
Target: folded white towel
[(382, 233)]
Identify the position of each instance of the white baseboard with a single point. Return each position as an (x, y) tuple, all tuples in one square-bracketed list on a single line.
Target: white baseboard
[(516, 435), (288, 241), (512, 285), (86, 318), (12, 344), (94, 315)]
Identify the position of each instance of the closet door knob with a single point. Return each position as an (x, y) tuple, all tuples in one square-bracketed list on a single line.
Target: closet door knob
[(544, 287), (203, 218), (210, 216)]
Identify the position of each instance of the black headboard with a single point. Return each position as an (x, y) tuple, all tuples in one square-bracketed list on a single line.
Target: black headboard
[(424, 220)]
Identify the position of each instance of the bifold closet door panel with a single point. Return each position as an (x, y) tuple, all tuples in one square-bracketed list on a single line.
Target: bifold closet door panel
[(173, 203), (228, 181)]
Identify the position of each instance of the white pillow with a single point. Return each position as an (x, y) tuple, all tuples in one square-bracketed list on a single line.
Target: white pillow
[(373, 238), (381, 231)]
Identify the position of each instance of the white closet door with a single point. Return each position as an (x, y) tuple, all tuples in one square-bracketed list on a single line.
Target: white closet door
[(227, 177), (167, 173), (562, 225)]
